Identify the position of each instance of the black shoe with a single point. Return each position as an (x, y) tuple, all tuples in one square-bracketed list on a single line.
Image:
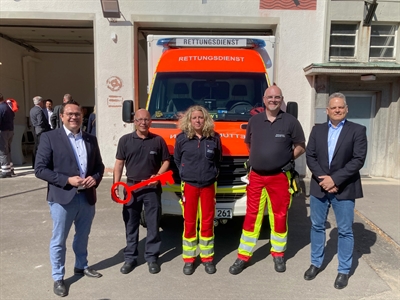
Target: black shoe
[(311, 273), (188, 268), (341, 281), (238, 266), (59, 288), (88, 272), (209, 267), (154, 268), (128, 267), (280, 265)]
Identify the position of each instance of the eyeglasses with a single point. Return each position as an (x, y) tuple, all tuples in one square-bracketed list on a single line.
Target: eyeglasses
[(273, 97), (76, 115), (142, 120)]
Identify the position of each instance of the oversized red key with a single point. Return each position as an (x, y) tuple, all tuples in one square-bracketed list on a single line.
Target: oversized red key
[(163, 178)]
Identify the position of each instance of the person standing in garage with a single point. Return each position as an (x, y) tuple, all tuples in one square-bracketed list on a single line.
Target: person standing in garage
[(6, 136), (197, 155), (55, 119)]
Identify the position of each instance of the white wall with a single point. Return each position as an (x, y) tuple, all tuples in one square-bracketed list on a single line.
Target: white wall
[(117, 59), (11, 76), (59, 74)]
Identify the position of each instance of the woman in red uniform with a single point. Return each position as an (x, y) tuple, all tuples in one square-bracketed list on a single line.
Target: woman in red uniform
[(197, 156)]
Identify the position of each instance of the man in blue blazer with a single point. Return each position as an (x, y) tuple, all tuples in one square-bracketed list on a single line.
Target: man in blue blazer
[(70, 161), (335, 153)]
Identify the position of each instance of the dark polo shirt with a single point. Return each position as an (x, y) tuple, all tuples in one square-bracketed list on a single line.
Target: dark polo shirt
[(143, 157), (271, 144)]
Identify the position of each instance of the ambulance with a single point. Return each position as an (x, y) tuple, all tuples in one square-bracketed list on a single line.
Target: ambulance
[(228, 76)]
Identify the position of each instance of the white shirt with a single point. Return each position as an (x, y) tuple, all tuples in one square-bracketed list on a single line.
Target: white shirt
[(78, 145)]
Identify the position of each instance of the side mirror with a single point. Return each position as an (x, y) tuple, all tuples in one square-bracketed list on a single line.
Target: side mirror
[(292, 108), (127, 111)]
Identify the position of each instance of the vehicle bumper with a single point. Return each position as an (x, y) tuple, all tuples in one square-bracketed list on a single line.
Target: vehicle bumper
[(237, 203)]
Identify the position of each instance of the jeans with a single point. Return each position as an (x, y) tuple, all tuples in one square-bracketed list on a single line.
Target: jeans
[(81, 213), (344, 213)]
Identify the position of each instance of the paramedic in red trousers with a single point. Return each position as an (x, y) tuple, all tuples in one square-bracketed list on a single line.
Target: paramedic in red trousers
[(144, 155), (335, 154), (197, 156), (274, 139)]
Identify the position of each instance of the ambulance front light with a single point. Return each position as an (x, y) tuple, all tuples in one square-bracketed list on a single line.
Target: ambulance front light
[(256, 43)]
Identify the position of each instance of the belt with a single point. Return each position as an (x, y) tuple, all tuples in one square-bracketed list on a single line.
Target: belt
[(133, 181), (267, 173)]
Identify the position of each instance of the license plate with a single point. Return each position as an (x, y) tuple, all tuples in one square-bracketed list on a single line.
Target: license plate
[(223, 213)]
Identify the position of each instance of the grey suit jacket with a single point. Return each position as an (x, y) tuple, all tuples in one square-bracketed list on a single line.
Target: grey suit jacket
[(39, 120), (55, 162), (55, 119), (348, 158)]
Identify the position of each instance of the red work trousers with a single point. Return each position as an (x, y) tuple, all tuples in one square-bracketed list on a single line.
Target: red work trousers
[(198, 205)]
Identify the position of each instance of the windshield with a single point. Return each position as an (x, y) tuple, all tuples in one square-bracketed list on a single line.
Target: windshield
[(227, 96)]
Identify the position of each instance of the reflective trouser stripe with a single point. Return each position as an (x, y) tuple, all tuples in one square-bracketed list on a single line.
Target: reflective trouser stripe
[(278, 242), (192, 204), (206, 246), (189, 247), (279, 239), (249, 239), (6, 168)]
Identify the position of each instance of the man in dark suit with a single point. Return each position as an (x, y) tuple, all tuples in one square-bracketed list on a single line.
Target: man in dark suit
[(70, 161), (55, 119), (39, 122), (335, 153)]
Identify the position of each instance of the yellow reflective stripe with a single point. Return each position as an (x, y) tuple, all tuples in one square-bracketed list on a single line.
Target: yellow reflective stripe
[(245, 249), (248, 239), (278, 248), (231, 189), (204, 242), (206, 252), (278, 239), (189, 243), (188, 253)]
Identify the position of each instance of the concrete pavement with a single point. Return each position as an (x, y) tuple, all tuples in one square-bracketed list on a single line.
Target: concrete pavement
[(25, 230)]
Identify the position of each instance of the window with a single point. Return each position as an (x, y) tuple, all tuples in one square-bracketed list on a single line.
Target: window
[(382, 43), (343, 41)]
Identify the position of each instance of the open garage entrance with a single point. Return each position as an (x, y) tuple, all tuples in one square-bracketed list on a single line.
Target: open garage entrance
[(48, 58)]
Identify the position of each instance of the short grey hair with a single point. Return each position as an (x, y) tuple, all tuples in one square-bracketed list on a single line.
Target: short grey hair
[(67, 97), (337, 95), (37, 100)]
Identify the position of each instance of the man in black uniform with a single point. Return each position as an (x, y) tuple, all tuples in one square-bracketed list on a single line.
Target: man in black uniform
[(274, 139), (144, 155)]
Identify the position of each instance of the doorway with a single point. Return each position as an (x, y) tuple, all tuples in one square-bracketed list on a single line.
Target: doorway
[(362, 111)]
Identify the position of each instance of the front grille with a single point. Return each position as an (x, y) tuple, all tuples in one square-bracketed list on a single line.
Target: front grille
[(231, 170)]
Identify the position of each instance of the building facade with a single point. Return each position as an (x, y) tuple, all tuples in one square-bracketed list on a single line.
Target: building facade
[(54, 47)]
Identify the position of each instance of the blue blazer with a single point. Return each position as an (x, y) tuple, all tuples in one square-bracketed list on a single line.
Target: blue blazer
[(55, 162), (348, 158)]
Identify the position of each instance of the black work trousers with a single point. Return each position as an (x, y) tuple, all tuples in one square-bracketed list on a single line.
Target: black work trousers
[(150, 198)]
